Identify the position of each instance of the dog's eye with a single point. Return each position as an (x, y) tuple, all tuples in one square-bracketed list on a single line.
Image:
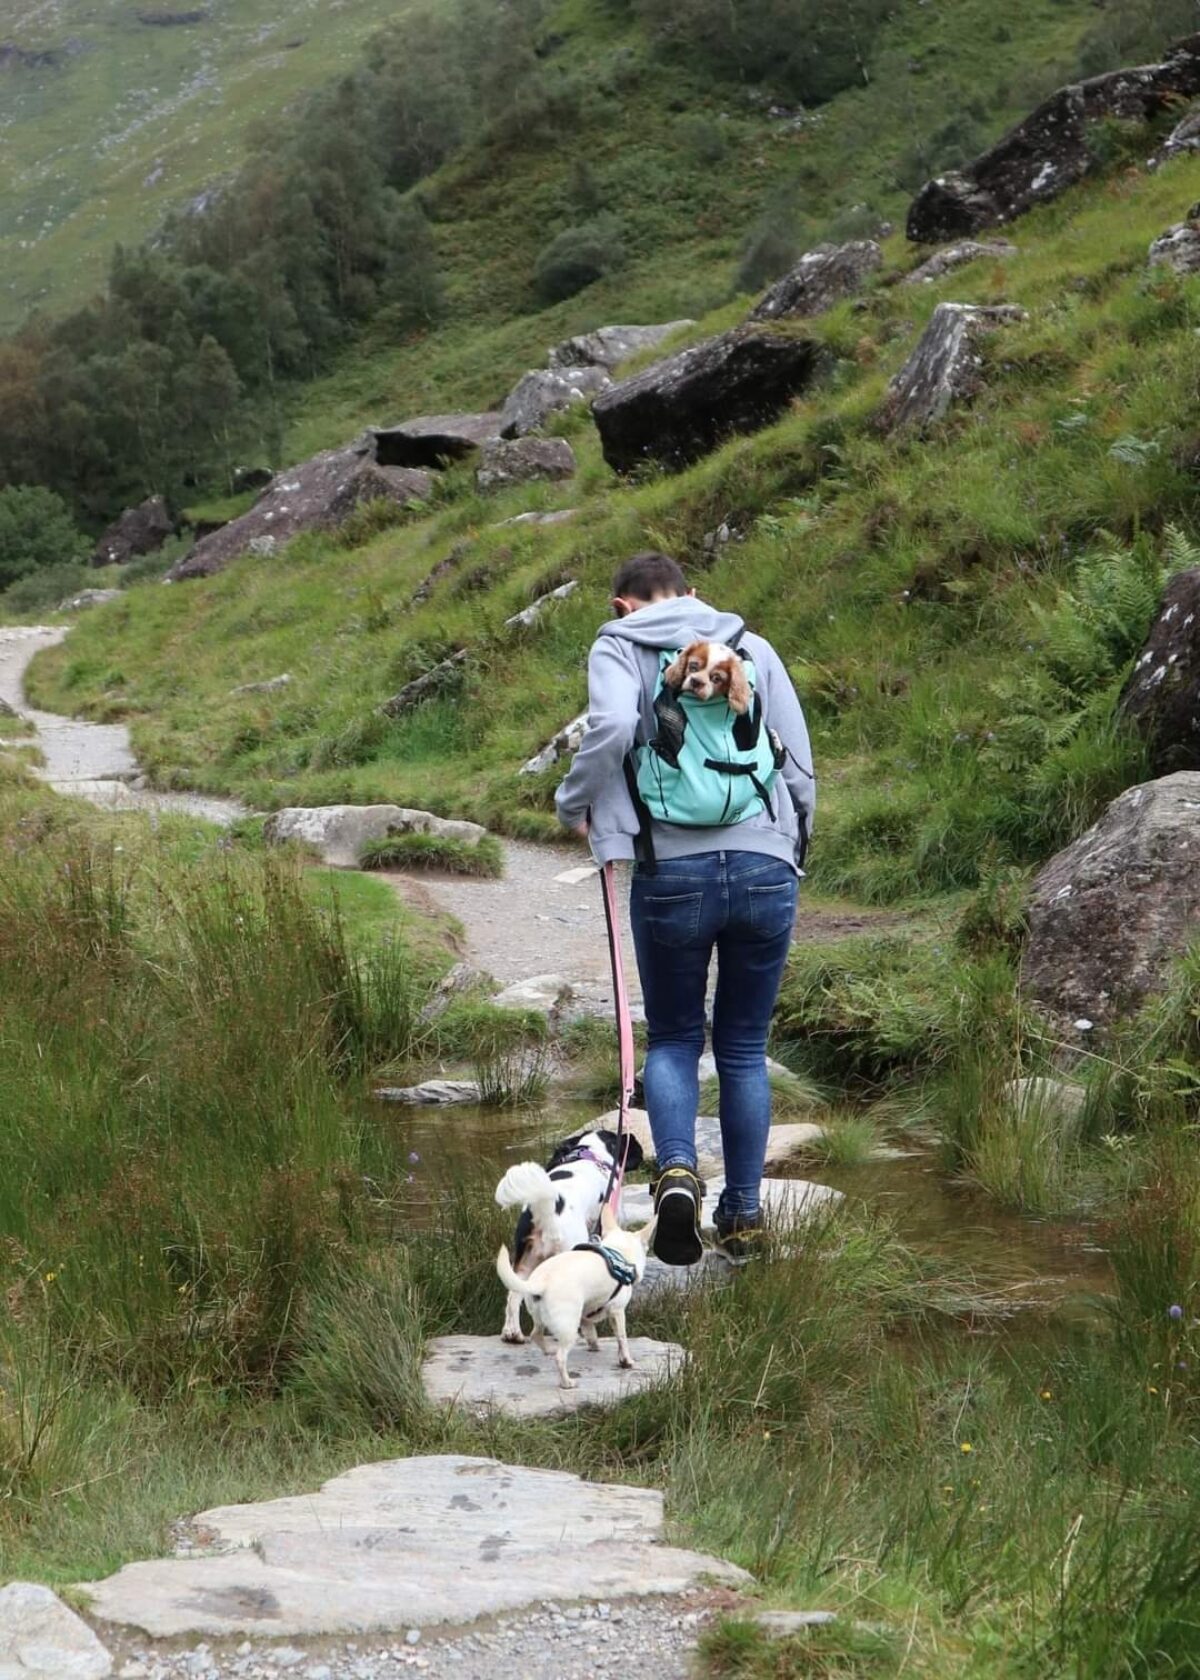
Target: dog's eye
[(695, 665)]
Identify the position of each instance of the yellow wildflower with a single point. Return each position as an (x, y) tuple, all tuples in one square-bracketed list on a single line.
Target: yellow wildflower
[(965, 1446)]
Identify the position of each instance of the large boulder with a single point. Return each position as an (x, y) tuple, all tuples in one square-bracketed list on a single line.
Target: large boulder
[(318, 495), (1051, 149), (822, 277), (1179, 246), (946, 367), (1162, 695), (339, 832), (608, 347), (547, 391), (677, 410), (89, 598), (957, 256), (433, 440), (139, 530), (41, 1639), (1108, 914), (504, 462)]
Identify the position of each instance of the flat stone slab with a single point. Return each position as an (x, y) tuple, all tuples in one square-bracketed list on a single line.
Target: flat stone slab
[(484, 1374), (408, 1543), (434, 1093), (41, 1639), (783, 1141), (785, 1201)]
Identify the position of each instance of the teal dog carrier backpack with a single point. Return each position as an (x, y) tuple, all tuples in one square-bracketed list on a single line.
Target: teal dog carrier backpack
[(707, 766)]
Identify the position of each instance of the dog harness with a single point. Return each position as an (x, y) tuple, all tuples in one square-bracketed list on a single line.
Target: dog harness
[(622, 1271), (581, 1155)]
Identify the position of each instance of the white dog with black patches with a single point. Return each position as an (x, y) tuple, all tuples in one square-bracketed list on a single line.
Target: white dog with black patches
[(569, 1294), (560, 1204)]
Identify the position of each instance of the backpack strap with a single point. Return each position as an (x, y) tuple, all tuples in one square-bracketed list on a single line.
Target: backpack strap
[(643, 846)]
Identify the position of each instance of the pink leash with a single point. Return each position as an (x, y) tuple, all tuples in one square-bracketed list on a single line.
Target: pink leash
[(624, 1036)]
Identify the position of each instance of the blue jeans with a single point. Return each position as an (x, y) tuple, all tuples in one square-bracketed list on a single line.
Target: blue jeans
[(744, 904)]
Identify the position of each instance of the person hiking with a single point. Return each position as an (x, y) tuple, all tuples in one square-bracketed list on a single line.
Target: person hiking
[(716, 810)]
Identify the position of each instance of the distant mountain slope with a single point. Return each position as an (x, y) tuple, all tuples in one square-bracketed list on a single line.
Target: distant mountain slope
[(114, 111)]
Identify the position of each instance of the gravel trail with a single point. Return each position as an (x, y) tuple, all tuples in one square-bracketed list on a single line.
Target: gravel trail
[(655, 1636), (93, 761)]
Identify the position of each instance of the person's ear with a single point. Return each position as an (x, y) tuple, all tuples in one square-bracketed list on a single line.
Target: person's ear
[(623, 606), (692, 594)]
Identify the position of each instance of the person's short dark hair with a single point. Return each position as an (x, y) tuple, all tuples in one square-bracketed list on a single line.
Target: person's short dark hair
[(645, 575)]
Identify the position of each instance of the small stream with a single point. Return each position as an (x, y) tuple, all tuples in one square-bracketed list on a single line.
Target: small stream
[(933, 1214), (474, 1145)]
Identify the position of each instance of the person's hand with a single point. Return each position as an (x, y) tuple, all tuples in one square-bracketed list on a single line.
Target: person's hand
[(581, 829)]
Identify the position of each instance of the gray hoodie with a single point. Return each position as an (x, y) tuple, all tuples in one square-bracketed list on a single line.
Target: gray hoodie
[(622, 676)]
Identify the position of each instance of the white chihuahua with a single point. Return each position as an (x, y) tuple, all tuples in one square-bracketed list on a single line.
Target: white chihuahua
[(571, 1292)]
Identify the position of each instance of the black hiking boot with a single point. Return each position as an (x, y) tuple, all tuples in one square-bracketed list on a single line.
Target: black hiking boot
[(678, 1193), (740, 1236)]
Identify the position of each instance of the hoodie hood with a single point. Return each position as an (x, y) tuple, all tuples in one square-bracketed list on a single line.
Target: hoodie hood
[(674, 623)]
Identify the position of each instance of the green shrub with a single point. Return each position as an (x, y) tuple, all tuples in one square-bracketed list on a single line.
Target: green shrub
[(36, 531), (577, 257), (45, 589), (435, 851)]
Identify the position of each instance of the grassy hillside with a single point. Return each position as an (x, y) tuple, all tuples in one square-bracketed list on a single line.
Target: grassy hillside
[(955, 615), (111, 120), (699, 175)]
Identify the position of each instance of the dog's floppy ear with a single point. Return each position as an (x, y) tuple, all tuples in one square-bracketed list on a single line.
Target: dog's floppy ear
[(636, 1154), (676, 671), (739, 688)]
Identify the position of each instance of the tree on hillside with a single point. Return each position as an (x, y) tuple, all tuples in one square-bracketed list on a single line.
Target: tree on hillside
[(36, 530), (807, 49)]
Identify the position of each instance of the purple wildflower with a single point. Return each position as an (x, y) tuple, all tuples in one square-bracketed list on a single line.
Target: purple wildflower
[(1175, 1312), (413, 1158)]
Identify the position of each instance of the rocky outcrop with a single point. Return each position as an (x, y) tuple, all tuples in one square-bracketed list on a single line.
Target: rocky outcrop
[(1162, 695), (529, 615), (677, 410), (41, 1639), (608, 347), (822, 277), (1179, 246), (437, 680), (557, 516), (339, 832), (318, 495), (139, 530), (546, 391), (504, 462), (946, 367), (1051, 149), (1183, 138), (561, 745), (89, 598), (433, 440), (269, 685), (957, 256), (1109, 914)]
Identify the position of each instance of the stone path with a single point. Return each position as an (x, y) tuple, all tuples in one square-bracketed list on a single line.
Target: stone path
[(534, 922), (531, 922), (552, 1641), (94, 761), (408, 1544), (482, 1374)]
